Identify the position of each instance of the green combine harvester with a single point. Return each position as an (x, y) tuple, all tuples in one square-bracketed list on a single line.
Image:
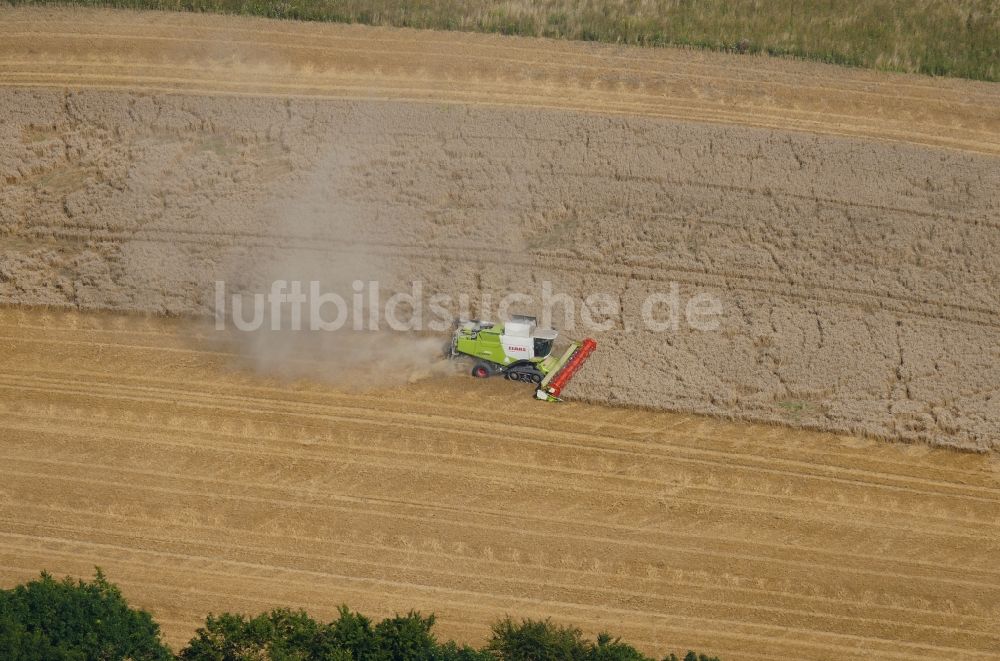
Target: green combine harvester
[(520, 351)]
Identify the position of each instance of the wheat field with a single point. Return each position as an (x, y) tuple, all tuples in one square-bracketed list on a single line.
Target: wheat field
[(846, 220)]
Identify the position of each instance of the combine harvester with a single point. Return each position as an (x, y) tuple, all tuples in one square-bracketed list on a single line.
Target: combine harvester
[(521, 352)]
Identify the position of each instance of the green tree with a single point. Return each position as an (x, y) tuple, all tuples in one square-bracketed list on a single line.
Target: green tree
[(75, 621), (613, 649), (451, 652), (281, 635), (284, 635), (542, 640), (352, 632), (91, 621), (405, 638), (537, 640)]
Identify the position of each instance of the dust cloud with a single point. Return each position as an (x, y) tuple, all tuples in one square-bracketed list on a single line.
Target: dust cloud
[(348, 342)]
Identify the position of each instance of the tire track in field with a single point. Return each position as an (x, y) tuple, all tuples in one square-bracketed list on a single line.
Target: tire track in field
[(411, 95), (634, 270), (487, 93), (935, 309), (372, 42), (730, 539), (565, 478), (769, 553), (598, 53), (694, 503), (631, 431), (216, 452), (494, 565), (466, 422), (397, 50), (244, 566), (439, 423), (582, 82), (440, 460), (724, 505), (437, 428), (517, 600), (606, 594)]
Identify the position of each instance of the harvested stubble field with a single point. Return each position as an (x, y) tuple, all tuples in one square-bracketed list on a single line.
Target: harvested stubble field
[(134, 444), (847, 220)]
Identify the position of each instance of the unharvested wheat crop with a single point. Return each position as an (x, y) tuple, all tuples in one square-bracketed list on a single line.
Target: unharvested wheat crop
[(857, 278)]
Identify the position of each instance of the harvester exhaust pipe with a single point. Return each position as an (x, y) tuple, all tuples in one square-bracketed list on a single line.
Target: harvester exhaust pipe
[(553, 384)]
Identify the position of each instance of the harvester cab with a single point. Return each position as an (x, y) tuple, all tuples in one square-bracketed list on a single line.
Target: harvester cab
[(520, 351)]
